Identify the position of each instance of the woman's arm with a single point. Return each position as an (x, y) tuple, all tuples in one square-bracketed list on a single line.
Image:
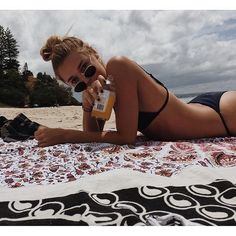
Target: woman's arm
[(51, 136), (73, 136), (92, 124)]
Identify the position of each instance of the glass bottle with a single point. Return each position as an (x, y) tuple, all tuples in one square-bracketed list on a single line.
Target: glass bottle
[(102, 109)]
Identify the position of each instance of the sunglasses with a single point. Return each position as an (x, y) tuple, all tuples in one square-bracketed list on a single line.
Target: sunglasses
[(88, 72)]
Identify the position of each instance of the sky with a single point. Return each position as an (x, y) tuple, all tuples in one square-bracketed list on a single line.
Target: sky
[(181, 47)]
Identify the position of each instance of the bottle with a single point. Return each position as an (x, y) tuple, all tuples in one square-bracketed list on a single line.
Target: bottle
[(102, 109)]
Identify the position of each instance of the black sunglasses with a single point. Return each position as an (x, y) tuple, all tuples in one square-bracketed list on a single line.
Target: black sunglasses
[(89, 72)]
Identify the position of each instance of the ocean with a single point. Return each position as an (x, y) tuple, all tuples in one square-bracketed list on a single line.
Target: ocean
[(189, 91)]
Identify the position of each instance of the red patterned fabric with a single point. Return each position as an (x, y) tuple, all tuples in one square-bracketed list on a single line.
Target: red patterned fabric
[(24, 164)]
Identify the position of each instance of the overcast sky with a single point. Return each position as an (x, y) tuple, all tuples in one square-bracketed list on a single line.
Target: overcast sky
[(183, 43)]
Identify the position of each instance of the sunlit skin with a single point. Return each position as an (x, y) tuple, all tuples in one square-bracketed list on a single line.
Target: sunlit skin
[(136, 91)]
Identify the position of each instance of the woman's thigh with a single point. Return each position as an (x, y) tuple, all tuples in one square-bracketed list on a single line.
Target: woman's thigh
[(228, 110)]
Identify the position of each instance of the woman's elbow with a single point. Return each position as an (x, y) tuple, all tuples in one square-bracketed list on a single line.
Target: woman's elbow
[(127, 140), (130, 142)]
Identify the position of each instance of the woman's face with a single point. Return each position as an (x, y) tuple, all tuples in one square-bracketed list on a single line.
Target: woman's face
[(73, 67)]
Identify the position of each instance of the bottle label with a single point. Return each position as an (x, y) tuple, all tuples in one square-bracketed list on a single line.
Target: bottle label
[(102, 104)]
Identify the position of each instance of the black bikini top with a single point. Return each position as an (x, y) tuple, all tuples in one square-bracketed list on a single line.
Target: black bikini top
[(145, 118)]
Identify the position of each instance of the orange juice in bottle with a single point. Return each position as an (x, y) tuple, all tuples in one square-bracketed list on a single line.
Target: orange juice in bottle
[(102, 109)]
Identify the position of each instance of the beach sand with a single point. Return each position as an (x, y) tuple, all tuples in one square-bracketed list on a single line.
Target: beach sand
[(55, 117)]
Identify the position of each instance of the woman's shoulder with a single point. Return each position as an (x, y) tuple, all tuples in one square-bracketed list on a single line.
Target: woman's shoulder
[(117, 61)]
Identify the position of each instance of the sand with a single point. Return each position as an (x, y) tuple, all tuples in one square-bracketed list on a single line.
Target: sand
[(55, 117)]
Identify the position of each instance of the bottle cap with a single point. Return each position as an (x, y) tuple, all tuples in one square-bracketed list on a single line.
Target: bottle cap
[(108, 82)]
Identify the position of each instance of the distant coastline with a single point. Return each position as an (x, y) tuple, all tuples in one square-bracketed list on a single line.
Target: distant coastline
[(191, 95), (187, 95)]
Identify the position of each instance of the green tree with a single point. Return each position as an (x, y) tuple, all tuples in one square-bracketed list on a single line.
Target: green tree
[(63, 95), (26, 72), (13, 90), (45, 78), (48, 92), (11, 52), (2, 49), (8, 51), (12, 87), (43, 97), (25, 67)]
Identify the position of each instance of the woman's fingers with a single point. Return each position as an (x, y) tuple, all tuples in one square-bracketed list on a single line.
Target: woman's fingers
[(101, 80), (39, 136), (89, 97), (92, 92), (49, 136), (39, 131)]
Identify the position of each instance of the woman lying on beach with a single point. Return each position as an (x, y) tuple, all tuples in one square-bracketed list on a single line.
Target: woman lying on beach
[(142, 102)]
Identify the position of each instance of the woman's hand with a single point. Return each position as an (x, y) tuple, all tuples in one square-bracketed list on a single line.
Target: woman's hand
[(91, 93), (49, 136)]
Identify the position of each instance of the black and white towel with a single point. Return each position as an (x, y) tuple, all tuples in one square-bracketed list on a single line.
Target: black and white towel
[(197, 196)]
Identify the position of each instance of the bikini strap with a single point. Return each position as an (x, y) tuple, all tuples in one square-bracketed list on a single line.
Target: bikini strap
[(225, 125), (165, 103), (159, 82)]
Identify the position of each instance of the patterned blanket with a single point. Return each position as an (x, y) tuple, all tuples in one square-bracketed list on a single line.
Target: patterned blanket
[(25, 164), (149, 183)]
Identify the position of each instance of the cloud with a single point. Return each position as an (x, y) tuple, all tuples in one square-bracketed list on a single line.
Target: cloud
[(185, 45)]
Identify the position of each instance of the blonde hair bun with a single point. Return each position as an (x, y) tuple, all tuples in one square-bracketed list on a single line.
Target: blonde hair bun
[(48, 49)]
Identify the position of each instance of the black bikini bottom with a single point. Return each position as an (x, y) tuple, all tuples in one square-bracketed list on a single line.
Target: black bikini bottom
[(212, 100)]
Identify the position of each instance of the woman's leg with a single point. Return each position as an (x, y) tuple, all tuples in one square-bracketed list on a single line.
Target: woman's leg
[(228, 110)]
